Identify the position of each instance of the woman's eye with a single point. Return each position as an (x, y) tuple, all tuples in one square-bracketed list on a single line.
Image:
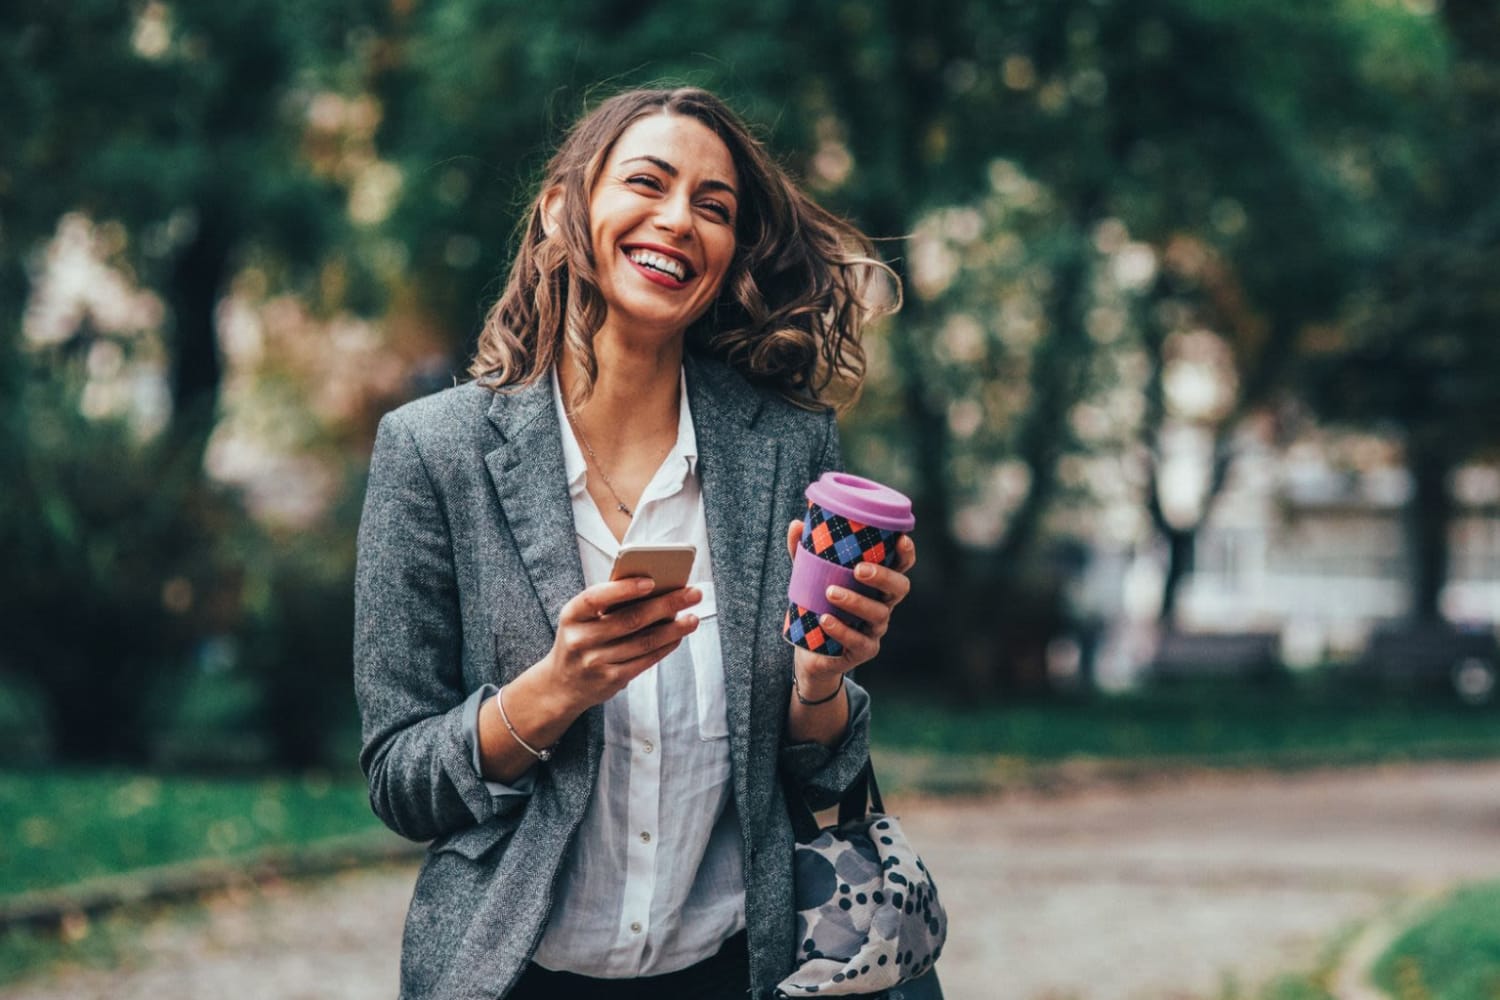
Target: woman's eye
[(719, 209), (645, 180)]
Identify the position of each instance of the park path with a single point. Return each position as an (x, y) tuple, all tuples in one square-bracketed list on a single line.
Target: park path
[(1165, 889)]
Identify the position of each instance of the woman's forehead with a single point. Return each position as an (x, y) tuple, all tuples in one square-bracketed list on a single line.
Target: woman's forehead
[(685, 144)]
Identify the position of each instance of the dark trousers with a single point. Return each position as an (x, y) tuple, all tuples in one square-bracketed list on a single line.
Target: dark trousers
[(725, 976)]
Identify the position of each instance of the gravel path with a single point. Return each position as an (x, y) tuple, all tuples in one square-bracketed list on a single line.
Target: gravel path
[(1164, 892)]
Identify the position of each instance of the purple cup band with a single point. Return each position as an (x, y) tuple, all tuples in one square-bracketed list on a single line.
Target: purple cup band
[(811, 578)]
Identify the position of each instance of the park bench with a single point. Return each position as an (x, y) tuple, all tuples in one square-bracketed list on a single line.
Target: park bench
[(1435, 655), (1182, 656)]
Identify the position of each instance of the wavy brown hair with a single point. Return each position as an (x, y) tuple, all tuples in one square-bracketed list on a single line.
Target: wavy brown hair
[(800, 288)]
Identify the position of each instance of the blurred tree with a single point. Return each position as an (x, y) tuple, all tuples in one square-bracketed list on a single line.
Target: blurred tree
[(1209, 135), (1212, 133), (109, 551), (203, 140), (187, 124), (1189, 122), (1419, 352)]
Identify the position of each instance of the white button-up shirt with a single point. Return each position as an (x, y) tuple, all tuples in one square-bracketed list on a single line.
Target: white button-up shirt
[(654, 879)]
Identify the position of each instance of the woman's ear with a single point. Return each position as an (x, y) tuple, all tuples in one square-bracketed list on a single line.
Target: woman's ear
[(552, 205)]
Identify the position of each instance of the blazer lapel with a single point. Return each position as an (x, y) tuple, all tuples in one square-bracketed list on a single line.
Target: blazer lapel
[(738, 469), (527, 472)]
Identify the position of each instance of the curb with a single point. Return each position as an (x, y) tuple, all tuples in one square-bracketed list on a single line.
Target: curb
[(1352, 979), (49, 909), (945, 775)]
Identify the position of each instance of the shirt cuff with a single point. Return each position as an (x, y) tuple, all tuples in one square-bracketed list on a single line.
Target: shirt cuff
[(504, 795)]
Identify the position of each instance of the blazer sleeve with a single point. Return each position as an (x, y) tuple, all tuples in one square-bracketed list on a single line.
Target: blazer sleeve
[(825, 772), (408, 663)]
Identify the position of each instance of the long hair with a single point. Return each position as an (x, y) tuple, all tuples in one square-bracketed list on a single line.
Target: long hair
[(799, 290)]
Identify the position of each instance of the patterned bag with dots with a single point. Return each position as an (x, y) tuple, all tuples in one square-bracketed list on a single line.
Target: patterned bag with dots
[(868, 915)]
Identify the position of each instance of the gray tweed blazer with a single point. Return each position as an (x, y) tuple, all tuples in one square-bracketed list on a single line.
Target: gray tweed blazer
[(467, 554)]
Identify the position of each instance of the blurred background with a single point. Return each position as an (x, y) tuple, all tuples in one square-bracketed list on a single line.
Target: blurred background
[(1196, 387)]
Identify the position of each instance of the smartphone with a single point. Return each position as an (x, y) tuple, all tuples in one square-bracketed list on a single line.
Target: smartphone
[(668, 565)]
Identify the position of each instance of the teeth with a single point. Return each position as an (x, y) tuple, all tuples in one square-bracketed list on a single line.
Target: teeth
[(657, 262)]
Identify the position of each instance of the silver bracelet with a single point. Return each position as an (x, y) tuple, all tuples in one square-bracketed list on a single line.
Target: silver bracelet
[(544, 754)]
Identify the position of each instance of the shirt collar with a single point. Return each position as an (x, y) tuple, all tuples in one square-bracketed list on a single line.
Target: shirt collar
[(686, 448)]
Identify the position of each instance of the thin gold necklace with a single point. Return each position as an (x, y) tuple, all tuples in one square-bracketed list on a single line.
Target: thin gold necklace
[(598, 467)]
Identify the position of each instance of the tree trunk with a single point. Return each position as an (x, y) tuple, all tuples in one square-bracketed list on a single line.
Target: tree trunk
[(1058, 378), (933, 501), (1428, 518), (197, 280), (1181, 545)]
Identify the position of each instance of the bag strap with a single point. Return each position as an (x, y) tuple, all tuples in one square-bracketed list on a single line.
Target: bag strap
[(863, 792)]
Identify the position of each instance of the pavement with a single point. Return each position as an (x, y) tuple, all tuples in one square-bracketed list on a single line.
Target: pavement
[(1174, 888)]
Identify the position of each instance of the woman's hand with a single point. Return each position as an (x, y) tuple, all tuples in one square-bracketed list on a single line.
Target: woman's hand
[(817, 675), (604, 641)]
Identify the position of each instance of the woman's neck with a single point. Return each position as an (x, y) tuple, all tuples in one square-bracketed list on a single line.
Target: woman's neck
[(635, 394)]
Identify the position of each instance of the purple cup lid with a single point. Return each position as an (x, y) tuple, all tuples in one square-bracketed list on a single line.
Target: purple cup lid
[(862, 500)]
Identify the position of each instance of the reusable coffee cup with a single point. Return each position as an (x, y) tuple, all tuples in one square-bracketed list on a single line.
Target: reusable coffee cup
[(849, 520)]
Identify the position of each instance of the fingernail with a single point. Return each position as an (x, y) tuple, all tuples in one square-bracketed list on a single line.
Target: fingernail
[(691, 621), (864, 571), (825, 620), (837, 593), (644, 584)]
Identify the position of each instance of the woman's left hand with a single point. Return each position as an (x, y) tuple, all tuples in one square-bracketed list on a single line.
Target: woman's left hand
[(862, 643)]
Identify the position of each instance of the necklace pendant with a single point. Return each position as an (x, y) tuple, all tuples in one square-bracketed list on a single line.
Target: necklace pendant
[(623, 509)]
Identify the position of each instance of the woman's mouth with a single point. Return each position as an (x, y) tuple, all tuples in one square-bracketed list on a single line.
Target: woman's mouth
[(659, 267)]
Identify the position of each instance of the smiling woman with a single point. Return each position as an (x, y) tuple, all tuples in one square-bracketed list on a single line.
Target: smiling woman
[(598, 764), (802, 285)]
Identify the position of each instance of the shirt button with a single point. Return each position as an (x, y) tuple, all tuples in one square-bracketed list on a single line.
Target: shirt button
[(635, 928), (647, 746), (645, 837)]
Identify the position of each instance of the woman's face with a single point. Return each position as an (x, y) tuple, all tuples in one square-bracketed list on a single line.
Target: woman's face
[(662, 217)]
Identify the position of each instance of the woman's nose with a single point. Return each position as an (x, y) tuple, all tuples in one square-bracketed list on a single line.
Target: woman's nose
[(674, 215)]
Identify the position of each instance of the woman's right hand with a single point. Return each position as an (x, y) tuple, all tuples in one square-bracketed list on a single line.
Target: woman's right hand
[(608, 634), (603, 641)]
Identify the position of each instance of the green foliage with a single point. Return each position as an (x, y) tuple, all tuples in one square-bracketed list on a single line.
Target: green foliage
[(185, 123), (1453, 953), (129, 573), (297, 635), (109, 558), (1295, 988), (1416, 353), (60, 827), (1229, 725)]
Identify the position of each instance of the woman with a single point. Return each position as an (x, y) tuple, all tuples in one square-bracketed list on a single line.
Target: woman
[(652, 373)]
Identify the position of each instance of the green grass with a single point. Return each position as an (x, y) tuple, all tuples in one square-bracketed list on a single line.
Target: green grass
[(60, 827), (1289, 725), (1453, 953), (106, 943)]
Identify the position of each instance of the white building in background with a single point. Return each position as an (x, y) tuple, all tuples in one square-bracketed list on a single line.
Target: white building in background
[(1308, 544), (1318, 552)]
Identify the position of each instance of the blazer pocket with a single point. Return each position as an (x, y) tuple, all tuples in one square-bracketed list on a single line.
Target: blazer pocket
[(475, 841)]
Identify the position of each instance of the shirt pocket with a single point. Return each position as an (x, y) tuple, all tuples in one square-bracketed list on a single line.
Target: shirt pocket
[(708, 668)]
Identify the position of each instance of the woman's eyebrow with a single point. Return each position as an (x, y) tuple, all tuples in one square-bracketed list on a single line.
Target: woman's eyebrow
[(672, 171)]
